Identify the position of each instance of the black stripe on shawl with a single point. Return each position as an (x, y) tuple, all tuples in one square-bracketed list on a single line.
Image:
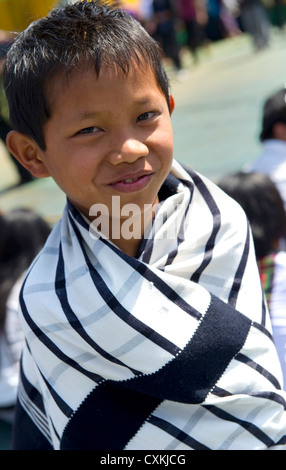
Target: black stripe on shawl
[(170, 183), (181, 234), (113, 413), (281, 442), (211, 242), (141, 268), (61, 291), (272, 396), (194, 372), (216, 223), (118, 309), (263, 330), (108, 418), (26, 435), (232, 298), (63, 406), (250, 427), (168, 189), (178, 434), (52, 347), (261, 370), (264, 308), (172, 295), (31, 391)]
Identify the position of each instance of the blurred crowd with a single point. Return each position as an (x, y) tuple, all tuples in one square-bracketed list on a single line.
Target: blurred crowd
[(194, 23)]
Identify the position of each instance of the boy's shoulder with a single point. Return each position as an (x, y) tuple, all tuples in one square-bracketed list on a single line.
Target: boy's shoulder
[(42, 265)]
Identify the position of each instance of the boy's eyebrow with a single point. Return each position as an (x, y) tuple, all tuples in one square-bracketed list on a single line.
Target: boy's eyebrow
[(93, 114), (142, 101), (88, 115)]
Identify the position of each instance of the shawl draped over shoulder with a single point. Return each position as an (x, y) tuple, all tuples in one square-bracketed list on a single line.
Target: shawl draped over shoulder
[(171, 349)]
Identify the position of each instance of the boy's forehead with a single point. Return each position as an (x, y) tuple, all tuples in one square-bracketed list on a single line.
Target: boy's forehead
[(63, 79), (133, 67)]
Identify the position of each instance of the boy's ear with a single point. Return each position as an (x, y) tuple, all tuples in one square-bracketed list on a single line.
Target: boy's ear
[(27, 152), (172, 103)]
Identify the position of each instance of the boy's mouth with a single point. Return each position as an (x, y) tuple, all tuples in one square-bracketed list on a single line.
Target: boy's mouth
[(131, 184)]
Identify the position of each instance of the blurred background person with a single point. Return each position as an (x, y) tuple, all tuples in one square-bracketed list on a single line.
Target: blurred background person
[(15, 16), (279, 10), (272, 159), (164, 17), (255, 21), (264, 208), (193, 15), (22, 235), (215, 29), (229, 15), (6, 40)]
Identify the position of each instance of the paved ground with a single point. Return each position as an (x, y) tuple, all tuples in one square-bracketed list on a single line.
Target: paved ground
[(217, 119), (216, 122)]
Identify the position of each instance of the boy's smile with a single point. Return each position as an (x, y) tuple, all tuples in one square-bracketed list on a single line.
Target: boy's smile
[(108, 135)]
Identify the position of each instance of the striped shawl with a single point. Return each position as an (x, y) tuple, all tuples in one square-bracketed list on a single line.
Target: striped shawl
[(168, 350)]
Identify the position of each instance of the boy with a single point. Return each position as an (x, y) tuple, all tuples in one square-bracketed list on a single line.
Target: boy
[(146, 331)]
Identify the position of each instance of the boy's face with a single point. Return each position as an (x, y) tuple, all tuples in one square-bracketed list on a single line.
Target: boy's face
[(108, 136)]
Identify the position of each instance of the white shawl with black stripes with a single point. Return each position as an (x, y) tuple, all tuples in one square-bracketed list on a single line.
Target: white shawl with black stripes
[(168, 350)]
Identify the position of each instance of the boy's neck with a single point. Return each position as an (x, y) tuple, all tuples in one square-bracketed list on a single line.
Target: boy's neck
[(129, 247)]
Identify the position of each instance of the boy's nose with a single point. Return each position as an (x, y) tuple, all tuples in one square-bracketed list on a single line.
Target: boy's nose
[(128, 151)]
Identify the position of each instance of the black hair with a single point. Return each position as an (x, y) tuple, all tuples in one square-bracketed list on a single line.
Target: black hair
[(259, 197), (22, 235), (69, 38), (274, 111)]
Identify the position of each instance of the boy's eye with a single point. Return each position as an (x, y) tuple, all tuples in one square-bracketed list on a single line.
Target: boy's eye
[(89, 130), (145, 116)]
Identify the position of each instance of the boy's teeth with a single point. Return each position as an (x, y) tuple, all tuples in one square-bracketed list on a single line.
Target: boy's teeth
[(130, 180)]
